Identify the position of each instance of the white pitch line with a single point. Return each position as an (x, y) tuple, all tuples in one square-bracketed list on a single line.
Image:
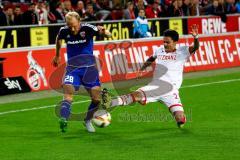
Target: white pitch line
[(210, 83), (50, 106), (37, 108)]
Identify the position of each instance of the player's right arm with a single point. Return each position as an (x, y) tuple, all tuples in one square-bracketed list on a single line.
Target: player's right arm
[(149, 61), (57, 59)]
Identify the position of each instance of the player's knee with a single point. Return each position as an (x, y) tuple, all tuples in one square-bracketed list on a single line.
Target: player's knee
[(95, 101), (68, 97), (139, 97), (136, 96)]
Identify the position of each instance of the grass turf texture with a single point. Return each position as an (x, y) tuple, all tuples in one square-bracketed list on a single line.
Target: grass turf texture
[(137, 132)]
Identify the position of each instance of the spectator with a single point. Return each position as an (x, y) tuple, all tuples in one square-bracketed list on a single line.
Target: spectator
[(117, 12), (90, 16), (205, 3), (221, 5), (3, 18), (96, 6), (129, 12), (42, 13), (30, 17), (10, 16), (186, 7), (214, 9), (74, 2), (139, 5), (67, 7), (230, 7), (238, 7), (18, 20), (80, 9), (175, 9), (155, 10), (106, 4), (101, 13), (58, 13), (51, 18), (141, 29), (195, 8)]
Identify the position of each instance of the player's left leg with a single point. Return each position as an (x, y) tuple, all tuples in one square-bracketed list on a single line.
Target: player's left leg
[(93, 107), (90, 80), (173, 102), (95, 100)]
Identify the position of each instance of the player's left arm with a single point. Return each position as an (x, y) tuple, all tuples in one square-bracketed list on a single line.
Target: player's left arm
[(195, 46), (104, 32)]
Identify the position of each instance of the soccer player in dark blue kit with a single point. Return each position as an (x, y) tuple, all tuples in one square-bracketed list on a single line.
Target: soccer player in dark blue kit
[(81, 66)]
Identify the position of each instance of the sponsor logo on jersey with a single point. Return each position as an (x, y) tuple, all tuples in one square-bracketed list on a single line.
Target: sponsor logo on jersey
[(77, 42), (167, 57), (91, 26)]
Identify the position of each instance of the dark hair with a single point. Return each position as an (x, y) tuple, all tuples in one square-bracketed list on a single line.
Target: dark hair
[(31, 4), (171, 33)]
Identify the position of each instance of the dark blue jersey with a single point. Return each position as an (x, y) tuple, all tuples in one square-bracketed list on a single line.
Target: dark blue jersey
[(80, 46)]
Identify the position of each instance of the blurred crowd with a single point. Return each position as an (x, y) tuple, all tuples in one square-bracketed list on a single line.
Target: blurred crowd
[(28, 12)]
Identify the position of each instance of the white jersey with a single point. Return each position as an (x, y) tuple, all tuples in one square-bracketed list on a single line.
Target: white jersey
[(173, 63)]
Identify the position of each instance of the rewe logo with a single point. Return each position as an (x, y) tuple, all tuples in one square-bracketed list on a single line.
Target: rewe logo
[(12, 84)]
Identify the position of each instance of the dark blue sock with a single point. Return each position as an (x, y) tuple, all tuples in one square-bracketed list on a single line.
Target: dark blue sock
[(65, 109), (91, 109), (92, 106)]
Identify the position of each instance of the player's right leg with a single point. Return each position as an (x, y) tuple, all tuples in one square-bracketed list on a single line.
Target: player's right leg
[(173, 102), (70, 81), (65, 106)]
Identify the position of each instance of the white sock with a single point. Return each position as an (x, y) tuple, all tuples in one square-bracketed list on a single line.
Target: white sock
[(122, 100)]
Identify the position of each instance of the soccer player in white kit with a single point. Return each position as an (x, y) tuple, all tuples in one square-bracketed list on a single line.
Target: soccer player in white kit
[(167, 77)]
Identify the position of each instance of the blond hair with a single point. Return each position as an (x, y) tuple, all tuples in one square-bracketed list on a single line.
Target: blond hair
[(70, 15)]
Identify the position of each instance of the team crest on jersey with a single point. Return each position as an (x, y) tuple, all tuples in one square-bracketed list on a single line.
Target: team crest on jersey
[(68, 36), (82, 34)]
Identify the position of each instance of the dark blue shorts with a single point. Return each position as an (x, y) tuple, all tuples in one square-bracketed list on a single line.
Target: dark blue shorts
[(86, 76)]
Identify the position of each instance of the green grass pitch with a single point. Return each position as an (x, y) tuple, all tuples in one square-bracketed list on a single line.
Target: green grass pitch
[(136, 133)]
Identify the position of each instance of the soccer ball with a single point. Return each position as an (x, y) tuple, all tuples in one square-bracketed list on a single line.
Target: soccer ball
[(101, 118)]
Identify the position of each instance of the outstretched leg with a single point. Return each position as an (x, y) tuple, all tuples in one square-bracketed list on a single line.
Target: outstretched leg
[(123, 100)]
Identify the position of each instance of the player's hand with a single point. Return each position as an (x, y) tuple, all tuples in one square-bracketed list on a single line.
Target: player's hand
[(101, 29), (56, 61), (104, 31), (139, 74), (194, 31)]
